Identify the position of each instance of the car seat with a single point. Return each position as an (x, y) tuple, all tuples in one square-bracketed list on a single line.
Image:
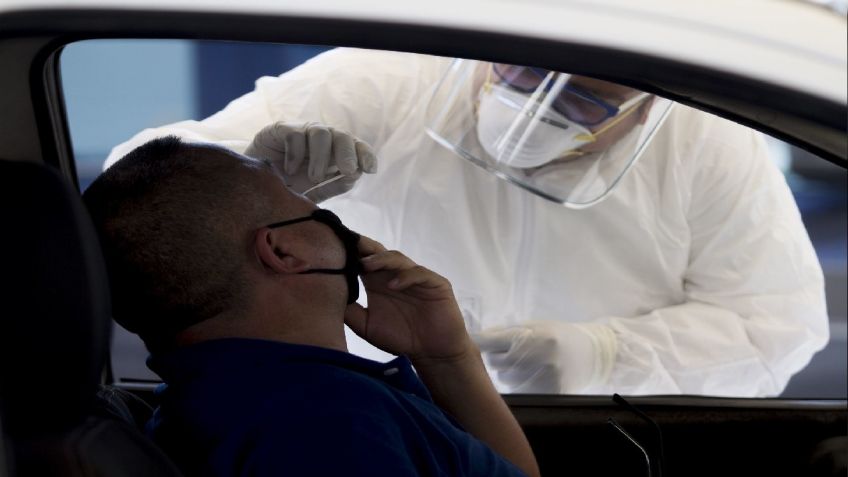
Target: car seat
[(54, 334)]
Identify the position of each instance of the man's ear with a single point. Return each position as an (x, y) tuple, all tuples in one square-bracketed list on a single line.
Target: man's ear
[(646, 108), (275, 254)]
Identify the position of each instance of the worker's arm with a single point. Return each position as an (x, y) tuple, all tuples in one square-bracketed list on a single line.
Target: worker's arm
[(753, 308), (366, 93), (412, 311), (754, 311)]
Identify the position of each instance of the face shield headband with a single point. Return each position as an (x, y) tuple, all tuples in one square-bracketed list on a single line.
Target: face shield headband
[(350, 239)]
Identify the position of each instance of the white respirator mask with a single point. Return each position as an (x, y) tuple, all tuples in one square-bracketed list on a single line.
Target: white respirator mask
[(529, 139)]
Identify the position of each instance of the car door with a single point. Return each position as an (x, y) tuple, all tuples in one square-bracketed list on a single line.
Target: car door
[(676, 435)]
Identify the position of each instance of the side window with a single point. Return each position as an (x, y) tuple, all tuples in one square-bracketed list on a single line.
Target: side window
[(116, 88), (113, 89), (819, 188)]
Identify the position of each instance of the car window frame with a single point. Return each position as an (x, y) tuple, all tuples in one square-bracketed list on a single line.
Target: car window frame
[(40, 36), (809, 122)]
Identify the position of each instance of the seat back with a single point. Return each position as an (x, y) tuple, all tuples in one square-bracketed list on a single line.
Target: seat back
[(54, 335)]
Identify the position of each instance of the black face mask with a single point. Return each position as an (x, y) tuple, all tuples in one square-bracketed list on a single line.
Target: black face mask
[(352, 268)]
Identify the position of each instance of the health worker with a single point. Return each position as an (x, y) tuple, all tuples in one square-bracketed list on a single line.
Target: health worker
[(599, 239)]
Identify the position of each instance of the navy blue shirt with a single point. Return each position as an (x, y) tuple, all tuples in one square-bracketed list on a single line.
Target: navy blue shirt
[(239, 407)]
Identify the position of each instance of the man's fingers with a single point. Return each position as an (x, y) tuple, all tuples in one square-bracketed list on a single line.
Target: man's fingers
[(320, 141), (344, 153), (417, 276), (367, 157), (386, 260), (356, 318), (368, 246), (406, 272)]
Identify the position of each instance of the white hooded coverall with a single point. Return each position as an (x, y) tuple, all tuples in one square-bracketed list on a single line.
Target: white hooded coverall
[(695, 276)]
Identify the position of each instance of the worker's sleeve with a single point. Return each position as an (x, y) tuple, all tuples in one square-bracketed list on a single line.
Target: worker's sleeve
[(755, 309), (366, 93)]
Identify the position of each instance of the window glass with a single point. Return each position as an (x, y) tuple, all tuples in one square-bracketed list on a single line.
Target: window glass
[(654, 273), (115, 88)]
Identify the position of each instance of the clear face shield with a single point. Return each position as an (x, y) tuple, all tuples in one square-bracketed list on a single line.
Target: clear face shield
[(564, 137)]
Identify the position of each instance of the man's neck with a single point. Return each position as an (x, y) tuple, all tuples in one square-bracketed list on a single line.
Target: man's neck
[(314, 329), (313, 332)]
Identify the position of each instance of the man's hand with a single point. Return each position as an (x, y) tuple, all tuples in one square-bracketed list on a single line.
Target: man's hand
[(309, 155), (411, 310)]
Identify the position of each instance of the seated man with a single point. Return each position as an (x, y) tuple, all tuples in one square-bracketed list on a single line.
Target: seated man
[(240, 289)]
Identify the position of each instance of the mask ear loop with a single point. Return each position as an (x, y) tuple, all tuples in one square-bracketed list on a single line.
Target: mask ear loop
[(627, 112), (352, 263), (487, 85), (485, 88)]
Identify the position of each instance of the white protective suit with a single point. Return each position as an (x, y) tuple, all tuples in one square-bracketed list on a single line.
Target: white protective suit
[(695, 276)]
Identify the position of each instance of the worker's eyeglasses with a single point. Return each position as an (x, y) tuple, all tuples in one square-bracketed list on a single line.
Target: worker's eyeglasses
[(573, 102)]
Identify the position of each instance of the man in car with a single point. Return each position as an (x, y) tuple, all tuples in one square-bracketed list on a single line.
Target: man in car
[(689, 271), (241, 288)]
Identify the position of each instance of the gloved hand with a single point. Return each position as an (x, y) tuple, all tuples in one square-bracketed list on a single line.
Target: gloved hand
[(334, 159), (549, 357)]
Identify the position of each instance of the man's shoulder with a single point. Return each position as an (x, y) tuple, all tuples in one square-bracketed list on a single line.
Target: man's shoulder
[(319, 382), (371, 433), (315, 418), (319, 390)]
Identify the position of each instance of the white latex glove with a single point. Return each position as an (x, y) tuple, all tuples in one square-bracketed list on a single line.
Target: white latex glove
[(549, 357), (317, 161)]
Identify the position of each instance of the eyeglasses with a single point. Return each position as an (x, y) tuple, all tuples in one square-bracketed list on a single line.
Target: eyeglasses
[(573, 102)]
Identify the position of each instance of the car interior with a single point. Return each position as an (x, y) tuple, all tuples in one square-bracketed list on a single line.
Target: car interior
[(59, 417), (63, 412)]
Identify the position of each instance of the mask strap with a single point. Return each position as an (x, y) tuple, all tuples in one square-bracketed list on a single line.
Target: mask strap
[(289, 222), (331, 271), (621, 116), (487, 84), (593, 136)]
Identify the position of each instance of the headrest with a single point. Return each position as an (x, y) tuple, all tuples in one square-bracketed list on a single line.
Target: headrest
[(55, 319)]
